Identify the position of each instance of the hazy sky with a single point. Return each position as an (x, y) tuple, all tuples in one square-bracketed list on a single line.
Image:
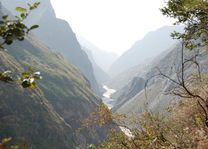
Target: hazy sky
[(112, 25)]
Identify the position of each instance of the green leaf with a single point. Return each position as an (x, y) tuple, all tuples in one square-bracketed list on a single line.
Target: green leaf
[(34, 6), (8, 41), (5, 17), (20, 38), (34, 27), (33, 85), (25, 75), (23, 15), (26, 84), (22, 10)]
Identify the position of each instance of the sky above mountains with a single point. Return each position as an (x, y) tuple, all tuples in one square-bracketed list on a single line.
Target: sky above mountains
[(112, 25)]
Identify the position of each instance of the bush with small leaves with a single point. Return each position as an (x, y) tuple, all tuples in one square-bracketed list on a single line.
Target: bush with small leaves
[(14, 29), (6, 144), (29, 77)]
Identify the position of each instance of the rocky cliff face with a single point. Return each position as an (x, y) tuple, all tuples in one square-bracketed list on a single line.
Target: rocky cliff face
[(127, 92), (155, 96), (58, 36)]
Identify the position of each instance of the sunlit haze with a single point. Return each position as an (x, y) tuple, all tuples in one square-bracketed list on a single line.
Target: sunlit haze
[(112, 25)]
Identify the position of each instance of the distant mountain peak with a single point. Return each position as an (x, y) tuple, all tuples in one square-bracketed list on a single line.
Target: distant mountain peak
[(153, 43), (102, 58)]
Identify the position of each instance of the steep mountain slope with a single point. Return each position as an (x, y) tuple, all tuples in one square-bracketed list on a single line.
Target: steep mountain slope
[(49, 116), (144, 50), (128, 91), (58, 35), (54, 111), (154, 97), (102, 58), (123, 79), (100, 75)]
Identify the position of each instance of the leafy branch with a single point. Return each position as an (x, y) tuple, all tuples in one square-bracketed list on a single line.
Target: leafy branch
[(15, 29), (12, 29)]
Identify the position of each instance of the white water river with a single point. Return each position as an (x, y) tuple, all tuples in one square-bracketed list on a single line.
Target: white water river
[(107, 97), (110, 103)]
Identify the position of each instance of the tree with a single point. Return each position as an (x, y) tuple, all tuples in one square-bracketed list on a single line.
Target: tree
[(153, 131), (186, 126), (194, 15), (14, 29)]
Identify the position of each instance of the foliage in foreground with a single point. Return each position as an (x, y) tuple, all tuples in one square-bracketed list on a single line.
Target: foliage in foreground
[(193, 14), (14, 29), (187, 125), (183, 129), (6, 144)]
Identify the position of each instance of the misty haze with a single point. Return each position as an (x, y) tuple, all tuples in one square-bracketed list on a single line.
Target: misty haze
[(107, 74)]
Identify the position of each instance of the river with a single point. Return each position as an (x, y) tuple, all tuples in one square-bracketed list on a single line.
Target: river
[(110, 103), (107, 97)]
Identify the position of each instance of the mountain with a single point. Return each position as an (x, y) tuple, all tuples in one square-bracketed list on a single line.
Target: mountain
[(154, 97), (135, 98), (103, 59), (123, 79), (136, 85), (100, 75), (144, 50), (49, 116), (57, 35)]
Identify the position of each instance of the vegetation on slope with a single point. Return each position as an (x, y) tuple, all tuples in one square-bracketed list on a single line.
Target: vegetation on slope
[(183, 129), (185, 124), (48, 116)]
